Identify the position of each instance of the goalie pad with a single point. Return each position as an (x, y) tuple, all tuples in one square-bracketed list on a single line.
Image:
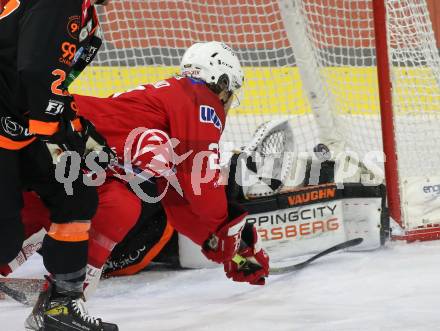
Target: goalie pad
[(297, 207), (270, 163), (310, 219)]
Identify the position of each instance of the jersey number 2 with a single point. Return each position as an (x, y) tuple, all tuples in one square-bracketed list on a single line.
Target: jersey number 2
[(8, 8)]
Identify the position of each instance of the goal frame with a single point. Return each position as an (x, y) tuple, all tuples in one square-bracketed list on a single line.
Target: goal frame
[(386, 111), (321, 108), (429, 232)]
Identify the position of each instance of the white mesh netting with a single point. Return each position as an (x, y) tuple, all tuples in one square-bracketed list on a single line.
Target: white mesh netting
[(145, 39)]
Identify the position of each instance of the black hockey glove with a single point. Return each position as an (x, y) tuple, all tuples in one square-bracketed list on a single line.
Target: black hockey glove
[(65, 139), (84, 142), (96, 143)]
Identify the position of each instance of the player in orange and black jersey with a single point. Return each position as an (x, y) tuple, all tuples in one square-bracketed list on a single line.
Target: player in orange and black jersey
[(44, 44)]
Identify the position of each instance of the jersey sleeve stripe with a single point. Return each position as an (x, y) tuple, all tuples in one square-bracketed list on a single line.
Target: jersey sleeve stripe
[(43, 128)]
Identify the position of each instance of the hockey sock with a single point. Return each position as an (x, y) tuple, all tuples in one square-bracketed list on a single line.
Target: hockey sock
[(65, 252)]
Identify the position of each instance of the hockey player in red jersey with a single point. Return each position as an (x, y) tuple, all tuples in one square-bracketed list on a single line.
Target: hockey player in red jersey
[(190, 109)]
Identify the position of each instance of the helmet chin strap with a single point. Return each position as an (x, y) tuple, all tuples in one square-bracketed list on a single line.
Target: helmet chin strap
[(226, 97)]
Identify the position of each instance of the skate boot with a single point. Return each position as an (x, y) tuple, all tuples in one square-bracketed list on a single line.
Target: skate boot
[(56, 312), (34, 322), (70, 314)]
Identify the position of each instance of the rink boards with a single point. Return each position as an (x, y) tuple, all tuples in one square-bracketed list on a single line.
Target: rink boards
[(278, 90)]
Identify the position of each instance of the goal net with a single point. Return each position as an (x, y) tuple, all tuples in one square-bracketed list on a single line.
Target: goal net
[(312, 61)]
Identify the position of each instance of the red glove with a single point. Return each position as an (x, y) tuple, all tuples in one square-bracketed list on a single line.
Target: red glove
[(223, 245), (255, 265), (5, 270)]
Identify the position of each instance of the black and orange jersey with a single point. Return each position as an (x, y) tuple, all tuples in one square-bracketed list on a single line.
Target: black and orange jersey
[(38, 42)]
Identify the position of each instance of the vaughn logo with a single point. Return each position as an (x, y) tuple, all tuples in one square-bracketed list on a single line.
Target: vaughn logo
[(311, 196), (208, 115)]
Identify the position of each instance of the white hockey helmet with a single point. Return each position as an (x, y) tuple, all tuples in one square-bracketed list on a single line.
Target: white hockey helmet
[(212, 62)]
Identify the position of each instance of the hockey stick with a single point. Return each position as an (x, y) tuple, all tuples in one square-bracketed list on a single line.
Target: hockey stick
[(251, 267), (134, 171), (14, 294), (299, 266), (22, 295), (23, 290)]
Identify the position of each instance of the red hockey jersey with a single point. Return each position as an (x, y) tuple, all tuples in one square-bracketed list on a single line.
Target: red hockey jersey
[(187, 110)]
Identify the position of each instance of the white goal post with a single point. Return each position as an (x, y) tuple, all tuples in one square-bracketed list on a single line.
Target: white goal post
[(358, 75)]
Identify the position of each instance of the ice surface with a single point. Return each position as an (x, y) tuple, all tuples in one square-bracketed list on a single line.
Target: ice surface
[(394, 288)]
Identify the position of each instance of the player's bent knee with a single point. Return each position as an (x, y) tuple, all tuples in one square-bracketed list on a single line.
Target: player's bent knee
[(89, 204), (11, 238), (78, 207), (118, 206)]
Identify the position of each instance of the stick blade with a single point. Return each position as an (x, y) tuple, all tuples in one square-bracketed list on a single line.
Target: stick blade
[(298, 266), (22, 290)]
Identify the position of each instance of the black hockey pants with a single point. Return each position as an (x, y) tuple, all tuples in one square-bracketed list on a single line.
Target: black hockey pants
[(31, 168)]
